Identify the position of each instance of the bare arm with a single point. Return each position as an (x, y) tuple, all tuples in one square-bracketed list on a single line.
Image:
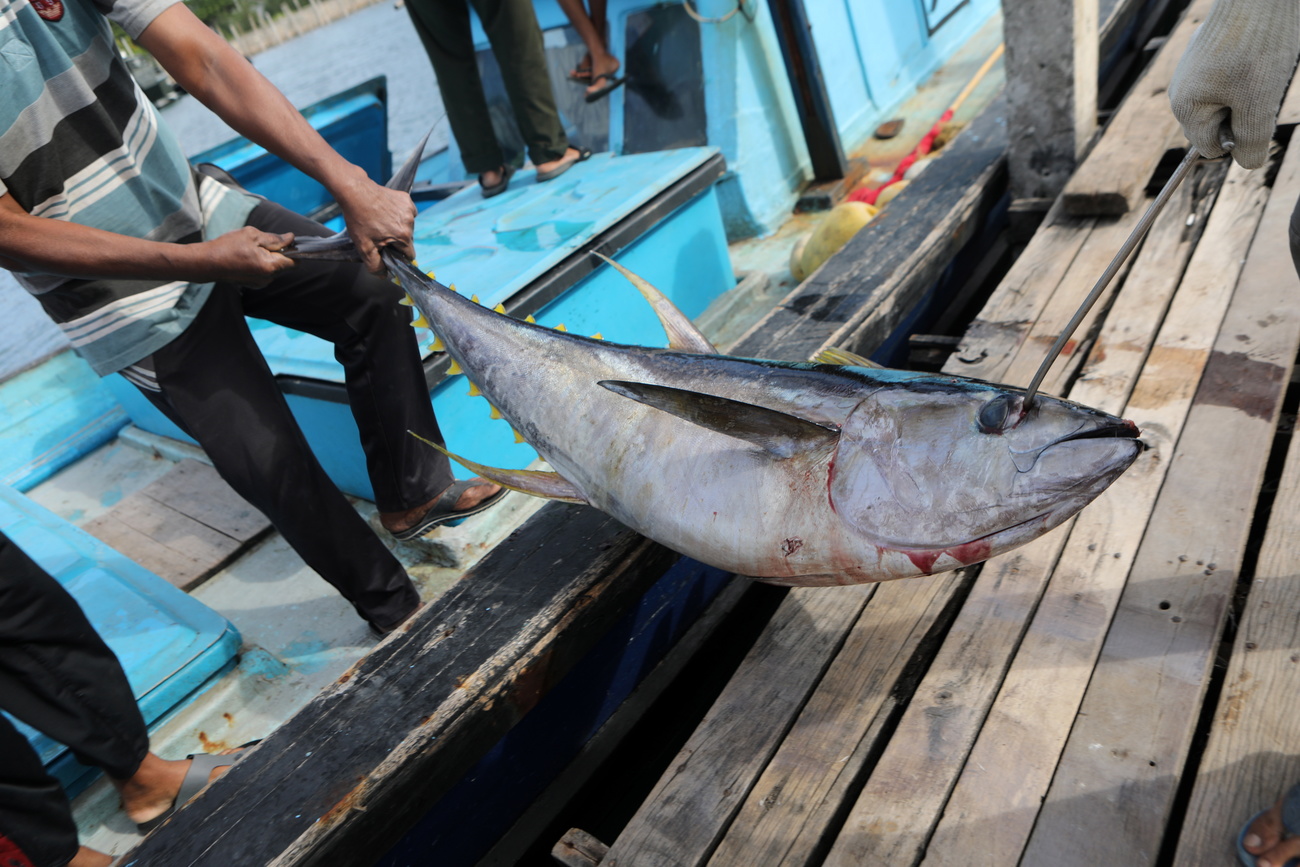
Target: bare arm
[(219, 77), (30, 243)]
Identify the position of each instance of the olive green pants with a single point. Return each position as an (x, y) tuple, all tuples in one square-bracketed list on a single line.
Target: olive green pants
[(511, 27)]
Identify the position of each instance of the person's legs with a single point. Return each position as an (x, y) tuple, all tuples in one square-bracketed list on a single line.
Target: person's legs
[(58, 676), (599, 63), (215, 385), (444, 29), (374, 341), (511, 26), (360, 314)]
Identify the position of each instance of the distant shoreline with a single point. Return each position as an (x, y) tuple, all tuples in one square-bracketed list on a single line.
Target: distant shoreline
[(298, 17)]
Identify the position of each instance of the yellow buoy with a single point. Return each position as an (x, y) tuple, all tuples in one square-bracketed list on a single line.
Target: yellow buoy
[(840, 224)]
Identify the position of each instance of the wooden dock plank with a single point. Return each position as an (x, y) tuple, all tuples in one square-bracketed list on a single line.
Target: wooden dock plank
[(1253, 754), (996, 800), (1105, 239), (183, 527), (1288, 113), (995, 335), (1113, 789), (794, 804), (1111, 181), (685, 814), (1251, 758), (893, 818)]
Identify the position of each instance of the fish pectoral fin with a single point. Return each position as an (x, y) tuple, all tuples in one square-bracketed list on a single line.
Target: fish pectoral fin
[(682, 333), (779, 433), (538, 483), (844, 358)]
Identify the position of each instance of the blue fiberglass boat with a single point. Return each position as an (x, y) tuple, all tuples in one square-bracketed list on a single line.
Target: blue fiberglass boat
[(700, 160)]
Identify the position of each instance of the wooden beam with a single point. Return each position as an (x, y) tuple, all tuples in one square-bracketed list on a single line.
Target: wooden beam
[(863, 292), (1115, 176), (342, 781), (1051, 65)]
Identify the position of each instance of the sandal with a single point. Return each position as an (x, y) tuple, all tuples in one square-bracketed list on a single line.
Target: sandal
[(1290, 827), (500, 186), (612, 82), (584, 154), (196, 780), (443, 512)]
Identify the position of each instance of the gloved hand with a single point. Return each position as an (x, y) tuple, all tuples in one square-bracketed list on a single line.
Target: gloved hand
[(1234, 74)]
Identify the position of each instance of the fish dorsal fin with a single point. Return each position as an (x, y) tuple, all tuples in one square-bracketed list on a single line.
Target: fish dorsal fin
[(778, 433), (538, 483), (682, 333), (845, 358)]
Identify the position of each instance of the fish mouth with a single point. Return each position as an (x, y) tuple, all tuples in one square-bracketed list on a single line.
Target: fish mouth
[(1123, 429)]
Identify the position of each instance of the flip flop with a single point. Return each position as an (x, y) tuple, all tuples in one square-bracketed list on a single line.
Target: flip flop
[(584, 154), (580, 74), (1290, 824), (196, 780), (500, 186), (612, 82), (442, 511)]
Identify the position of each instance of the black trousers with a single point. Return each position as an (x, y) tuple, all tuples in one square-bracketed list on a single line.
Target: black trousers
[(58, 677), (216, 386), (511, 26)]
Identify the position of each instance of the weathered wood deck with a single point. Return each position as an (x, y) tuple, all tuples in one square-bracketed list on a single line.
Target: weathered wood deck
[(1120, 692)]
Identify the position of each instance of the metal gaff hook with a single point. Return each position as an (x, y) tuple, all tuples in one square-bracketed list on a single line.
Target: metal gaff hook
[(1184, 168)]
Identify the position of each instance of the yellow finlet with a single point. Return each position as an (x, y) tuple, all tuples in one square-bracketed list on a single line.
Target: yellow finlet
[(473, 390), (452, 287), (454, 369), (530, 320), (430, 275), (420, 322), (561, 327), (597, 336), (518, 436), (406, 301), (500, 308), (495, 413), (438, 345), (474, 298)]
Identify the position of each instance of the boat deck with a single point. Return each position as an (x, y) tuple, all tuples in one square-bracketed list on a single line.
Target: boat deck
[(1119, 692)]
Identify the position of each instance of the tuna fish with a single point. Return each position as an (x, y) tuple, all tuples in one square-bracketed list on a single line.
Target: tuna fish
[(791, 473)]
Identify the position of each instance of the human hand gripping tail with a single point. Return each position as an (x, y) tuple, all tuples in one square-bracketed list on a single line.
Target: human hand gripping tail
[(1231, 80), (247, 256), (377, 216)]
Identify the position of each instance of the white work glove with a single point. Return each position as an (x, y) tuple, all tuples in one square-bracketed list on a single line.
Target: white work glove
[(1231, 80)]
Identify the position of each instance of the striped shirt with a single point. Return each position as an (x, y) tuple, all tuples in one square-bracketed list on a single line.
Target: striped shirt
[(79, 141)]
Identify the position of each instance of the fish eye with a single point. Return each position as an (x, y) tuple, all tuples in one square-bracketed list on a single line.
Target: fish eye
[(995, 415)]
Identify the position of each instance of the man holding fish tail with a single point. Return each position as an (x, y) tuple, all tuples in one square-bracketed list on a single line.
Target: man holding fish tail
[(150, 268), (1228, 87)]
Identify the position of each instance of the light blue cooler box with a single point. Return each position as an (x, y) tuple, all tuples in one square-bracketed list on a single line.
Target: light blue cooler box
[(169, 644)]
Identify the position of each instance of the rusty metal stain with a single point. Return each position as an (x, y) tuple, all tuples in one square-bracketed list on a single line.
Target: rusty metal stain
[(1237, 381), (353, 800)]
